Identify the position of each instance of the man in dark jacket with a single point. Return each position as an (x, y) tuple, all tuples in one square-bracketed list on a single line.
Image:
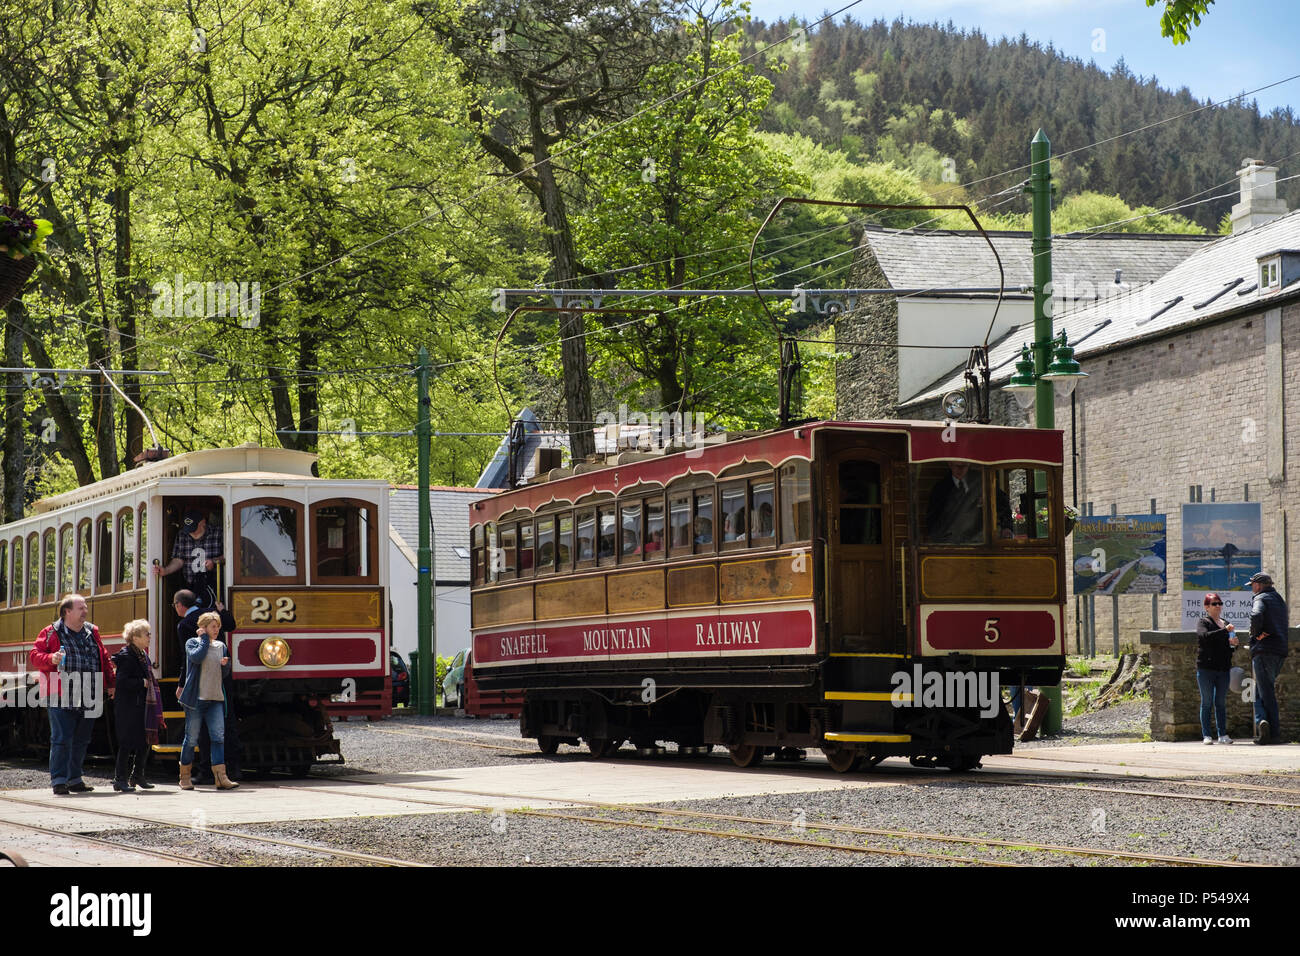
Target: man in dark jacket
[(1268, 648)]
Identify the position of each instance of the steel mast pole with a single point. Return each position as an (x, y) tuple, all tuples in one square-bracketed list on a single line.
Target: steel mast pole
[(1040, 189), (424, 554)]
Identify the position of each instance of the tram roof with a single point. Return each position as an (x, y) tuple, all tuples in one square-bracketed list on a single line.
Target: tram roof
[(926, 441), (247, 461)]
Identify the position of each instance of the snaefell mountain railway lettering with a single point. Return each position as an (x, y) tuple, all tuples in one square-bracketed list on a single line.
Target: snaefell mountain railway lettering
[(727, 633), (524, 645), (616, 639)]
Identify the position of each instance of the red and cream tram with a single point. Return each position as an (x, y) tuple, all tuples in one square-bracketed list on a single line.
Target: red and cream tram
[(304, 573), (860, 587)]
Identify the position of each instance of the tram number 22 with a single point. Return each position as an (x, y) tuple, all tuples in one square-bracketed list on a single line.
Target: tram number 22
[(260, 609), (991, 632)]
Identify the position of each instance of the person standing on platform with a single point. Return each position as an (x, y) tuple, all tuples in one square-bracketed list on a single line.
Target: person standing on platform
[(1268, 649), (204, 700), (75, 674), (1216, 641), (137, 708)]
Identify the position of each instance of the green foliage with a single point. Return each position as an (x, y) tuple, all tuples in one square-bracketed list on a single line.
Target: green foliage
[(1179, 16)]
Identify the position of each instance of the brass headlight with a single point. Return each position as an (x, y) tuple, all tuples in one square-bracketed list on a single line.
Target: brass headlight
[(274, 652)]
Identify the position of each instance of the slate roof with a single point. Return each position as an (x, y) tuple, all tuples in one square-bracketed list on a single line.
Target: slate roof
[(1203, 278), (956, 259), (450, 510)]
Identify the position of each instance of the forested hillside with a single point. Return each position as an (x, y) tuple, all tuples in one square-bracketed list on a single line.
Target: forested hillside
[(276, 207), (920, 94)]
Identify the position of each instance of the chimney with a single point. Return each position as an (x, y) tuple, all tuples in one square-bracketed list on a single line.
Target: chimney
[(1259, 203)]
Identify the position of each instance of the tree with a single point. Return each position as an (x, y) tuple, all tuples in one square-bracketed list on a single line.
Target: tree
[(1179, 16), (544, 76), (676, 196)]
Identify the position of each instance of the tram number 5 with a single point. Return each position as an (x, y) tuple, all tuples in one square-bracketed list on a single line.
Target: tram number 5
[(260, 609), (991, 632)]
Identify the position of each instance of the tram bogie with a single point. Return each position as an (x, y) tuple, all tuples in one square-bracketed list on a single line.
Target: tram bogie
[(861, 588)]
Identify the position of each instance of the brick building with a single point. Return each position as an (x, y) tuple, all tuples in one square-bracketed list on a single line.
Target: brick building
[(1191, 395)]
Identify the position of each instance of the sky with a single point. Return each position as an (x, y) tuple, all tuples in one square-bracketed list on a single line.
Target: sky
[(1239, 46)]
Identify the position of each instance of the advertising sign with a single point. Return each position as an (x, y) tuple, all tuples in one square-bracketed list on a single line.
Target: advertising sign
[(1119, 554), (1221, 550)]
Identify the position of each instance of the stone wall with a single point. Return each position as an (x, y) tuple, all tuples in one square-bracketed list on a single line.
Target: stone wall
[(866, 381), (1176, 700)]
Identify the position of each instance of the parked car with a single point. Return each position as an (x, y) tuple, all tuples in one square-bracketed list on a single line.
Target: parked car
[(453, 685), (401, 680)]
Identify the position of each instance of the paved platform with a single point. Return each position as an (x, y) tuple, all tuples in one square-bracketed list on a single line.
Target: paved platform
[(561, 781)]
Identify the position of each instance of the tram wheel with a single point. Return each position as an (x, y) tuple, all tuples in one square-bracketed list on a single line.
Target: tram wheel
[(841, 759), (599, 746), (548, 744), (746, 755)]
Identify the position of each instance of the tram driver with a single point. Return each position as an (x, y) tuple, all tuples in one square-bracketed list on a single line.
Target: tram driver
[(955, 514), (196, 553)]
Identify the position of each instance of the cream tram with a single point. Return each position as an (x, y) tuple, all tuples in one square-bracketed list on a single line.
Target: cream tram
[(304, 573)]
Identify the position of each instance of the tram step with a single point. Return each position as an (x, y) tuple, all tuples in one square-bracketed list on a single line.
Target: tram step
[(169, 748), (867, 712), (861, 738), (174, 714)]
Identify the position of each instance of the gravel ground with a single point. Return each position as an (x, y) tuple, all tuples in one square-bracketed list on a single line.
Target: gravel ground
[(969, 805)]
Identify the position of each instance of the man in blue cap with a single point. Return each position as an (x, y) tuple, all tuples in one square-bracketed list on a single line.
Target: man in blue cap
[(1268, 648)]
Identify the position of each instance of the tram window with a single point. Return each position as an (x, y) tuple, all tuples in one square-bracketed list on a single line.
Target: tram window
[(953, 495), (48, 558), (104, 553), (526, 553), (508, 555), (4, 573), (679, 524), (14, 584), (545, 545), (492, 553), (84, 554), (733, 516), (268, 541), (143, 560), (343, 538), (796, 503), (564, 542), (1023, 511), (654, 527), (126, 549), (476, 537), (630, 531), (762, 512), (67, 554), (34, 569), (861, 507), (586, 537), (703, 521), (607, 543)]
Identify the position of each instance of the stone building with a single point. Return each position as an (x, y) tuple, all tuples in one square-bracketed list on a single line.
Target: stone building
[(1191, 395), (947, 292)]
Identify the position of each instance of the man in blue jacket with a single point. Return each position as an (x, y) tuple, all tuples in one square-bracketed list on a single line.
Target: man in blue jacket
[(1268, 648)]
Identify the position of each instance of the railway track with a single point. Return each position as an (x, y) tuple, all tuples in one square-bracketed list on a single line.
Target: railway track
[(208, 830), (879, 833), (112, 844)]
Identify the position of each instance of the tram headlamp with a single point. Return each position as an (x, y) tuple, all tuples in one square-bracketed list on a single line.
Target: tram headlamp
[(274, 652)]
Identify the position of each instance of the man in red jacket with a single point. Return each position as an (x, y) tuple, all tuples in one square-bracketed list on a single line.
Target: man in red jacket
[(75, 675)]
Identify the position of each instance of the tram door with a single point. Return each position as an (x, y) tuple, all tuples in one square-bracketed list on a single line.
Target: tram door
[(862, 607)]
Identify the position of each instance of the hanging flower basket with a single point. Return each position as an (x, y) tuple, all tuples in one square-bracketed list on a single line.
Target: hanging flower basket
[(21, 241)]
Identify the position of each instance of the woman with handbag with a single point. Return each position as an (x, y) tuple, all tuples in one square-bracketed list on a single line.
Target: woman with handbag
[(1216, 641), (137, 708)]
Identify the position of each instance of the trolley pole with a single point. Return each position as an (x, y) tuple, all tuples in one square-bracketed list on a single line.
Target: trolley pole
[(1040, 190), (424, 554)]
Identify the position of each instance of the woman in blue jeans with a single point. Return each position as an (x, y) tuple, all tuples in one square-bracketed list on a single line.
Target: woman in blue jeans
[(1215, 644), (204, 700)]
